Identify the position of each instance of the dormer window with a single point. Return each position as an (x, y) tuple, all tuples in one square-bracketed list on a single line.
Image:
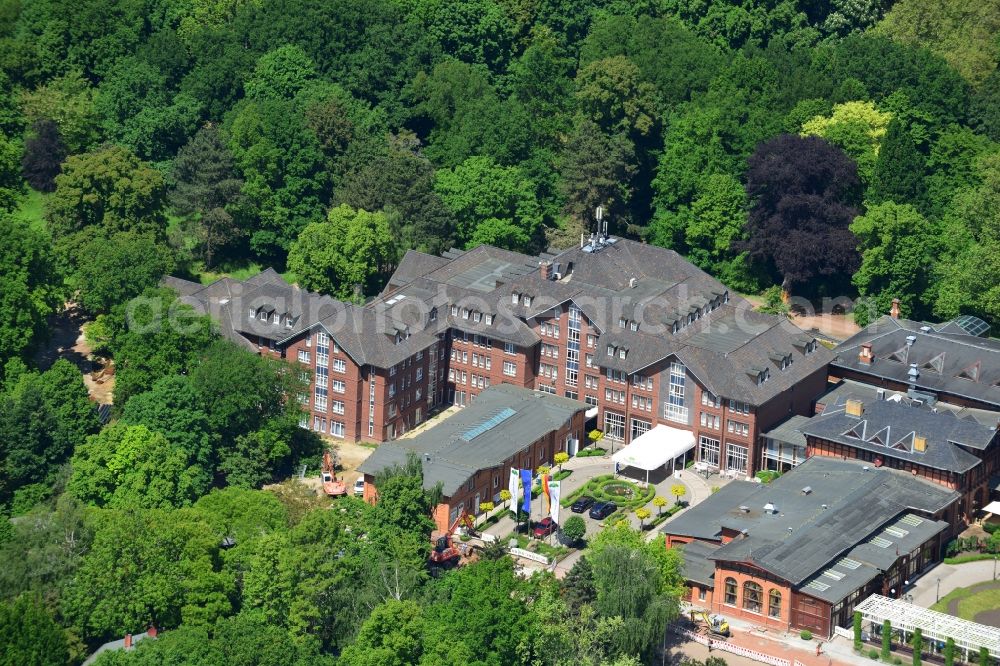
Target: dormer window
[(253, 313), (527, 301), (432, 315), (622, 352), (622, 322), (785, 362), (611, 350), (811, 347), (634, 325), (763, 376), (477, 317), (263, 315), (489, 319), (288, 322), (725, 297), (514, 298), (675, 327)]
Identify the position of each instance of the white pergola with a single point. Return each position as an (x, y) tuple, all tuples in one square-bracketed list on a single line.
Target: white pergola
[(934, 626), (655, 448)]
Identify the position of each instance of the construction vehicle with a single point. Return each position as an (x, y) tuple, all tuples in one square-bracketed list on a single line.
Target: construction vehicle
[(446, 553), (332, 486), (716, 624)]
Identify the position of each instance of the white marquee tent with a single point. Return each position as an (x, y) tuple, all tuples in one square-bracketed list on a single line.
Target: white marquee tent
[(655, 448)]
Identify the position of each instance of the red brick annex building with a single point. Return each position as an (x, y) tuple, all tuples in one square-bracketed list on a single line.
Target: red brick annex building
[(635, 331), (804, 550)]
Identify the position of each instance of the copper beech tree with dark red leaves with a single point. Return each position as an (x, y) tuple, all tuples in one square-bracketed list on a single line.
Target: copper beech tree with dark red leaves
[(804, 192)]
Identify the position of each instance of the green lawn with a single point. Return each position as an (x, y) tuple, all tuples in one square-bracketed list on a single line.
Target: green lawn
[(972, 600)]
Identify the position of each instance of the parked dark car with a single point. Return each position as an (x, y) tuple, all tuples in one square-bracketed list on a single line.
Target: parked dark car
[(582, 504), (545, 527), (602, 510)]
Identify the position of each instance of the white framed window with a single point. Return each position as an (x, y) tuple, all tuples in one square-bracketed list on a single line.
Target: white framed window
[(339, 365), (739, 407), (392, 389), (454, 311), (392, 371), (638, 428), (489, 319), (711, 421), (708, 450), (253, 313), (319, 399), (614, 425), (514, 297), (420, 374), (303, 356), (322, 374), (509, 368), (709, 399), (337, 407), (675, 408), (337, 386), (508, 348), (304, 420), (736, 457), (738, 428), (591, 340), (337, 428), (611, 350), (527, 301), (477, 317), (590, 381)]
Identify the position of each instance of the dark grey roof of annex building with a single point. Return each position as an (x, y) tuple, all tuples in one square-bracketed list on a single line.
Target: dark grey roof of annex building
[(889, 427), (947, 359), (815, 514), (455, 449)]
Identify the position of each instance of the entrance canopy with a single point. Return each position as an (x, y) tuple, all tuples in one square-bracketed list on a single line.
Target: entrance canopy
[(655, 448), (992, 507)]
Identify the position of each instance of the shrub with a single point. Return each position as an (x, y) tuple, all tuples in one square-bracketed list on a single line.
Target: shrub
[(857, 631), (596, 435), (574, 529), (873, 654), (805, 635), (886, 640), (897, 661), (918, 645)]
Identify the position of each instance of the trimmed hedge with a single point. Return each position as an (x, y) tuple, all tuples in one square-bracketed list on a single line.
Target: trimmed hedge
[(591, 452), (971, 557), (594, 489), (559, 476)]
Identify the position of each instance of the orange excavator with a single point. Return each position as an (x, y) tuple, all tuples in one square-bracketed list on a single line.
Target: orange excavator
[(446, 553), (332, 486)]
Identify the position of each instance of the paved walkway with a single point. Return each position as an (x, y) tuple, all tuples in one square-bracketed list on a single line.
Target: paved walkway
[(952, 576), (789, 645)]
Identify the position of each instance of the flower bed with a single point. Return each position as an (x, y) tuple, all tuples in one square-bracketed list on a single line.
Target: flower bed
[(606, 488), (591, 452)]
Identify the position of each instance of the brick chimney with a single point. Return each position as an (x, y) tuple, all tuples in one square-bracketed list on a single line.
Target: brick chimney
[(152, 631), (865, 355), (546, 267), (128, 641), (894, 310)]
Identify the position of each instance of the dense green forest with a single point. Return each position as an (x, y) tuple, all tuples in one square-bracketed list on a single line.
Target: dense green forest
[(841, 147)]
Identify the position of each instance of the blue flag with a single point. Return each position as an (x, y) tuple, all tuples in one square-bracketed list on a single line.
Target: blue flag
[(526, 483)]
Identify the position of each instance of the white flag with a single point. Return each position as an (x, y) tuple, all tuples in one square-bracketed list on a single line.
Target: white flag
[(554, 494), (512, 485)]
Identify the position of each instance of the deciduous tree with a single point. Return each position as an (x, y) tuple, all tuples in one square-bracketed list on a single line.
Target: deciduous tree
[(44, 153), (804, 193), (352, 248)]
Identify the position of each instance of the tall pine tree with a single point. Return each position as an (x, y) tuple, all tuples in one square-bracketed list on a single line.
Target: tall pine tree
[(899, 170), (206, 188)]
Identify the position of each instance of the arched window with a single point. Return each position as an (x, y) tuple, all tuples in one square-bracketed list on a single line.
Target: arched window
[(774, 604), (731, 591), (753, 597)]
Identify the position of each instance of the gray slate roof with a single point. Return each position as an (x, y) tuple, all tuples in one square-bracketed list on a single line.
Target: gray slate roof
[(887, 428), (698, 567), (454, 457), (941, 357), (789, 431), (849, 502), (643, 283)]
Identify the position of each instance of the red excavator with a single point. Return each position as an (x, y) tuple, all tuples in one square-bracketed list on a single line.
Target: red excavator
[(446, 553), (332, 486)]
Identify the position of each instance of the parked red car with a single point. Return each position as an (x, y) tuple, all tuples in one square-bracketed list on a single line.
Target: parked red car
[(545, 527)]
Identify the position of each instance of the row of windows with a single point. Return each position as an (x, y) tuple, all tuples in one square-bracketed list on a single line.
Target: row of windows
[(548, 371), (551, 351), (320, 423), (710, 450), (642, 402), (738, 428), (549, 328), (613, 395), (753, 598), (466, 313)]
